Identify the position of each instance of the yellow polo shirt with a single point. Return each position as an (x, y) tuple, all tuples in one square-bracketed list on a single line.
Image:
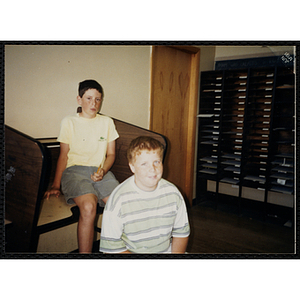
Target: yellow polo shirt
[(87, 139)]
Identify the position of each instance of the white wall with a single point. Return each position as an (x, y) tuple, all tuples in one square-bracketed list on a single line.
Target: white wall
[(41, 83)]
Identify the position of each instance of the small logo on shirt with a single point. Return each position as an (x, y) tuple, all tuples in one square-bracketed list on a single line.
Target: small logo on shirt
[(102, 139)]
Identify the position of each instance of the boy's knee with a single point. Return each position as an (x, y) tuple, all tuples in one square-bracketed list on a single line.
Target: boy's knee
[(88, 206)]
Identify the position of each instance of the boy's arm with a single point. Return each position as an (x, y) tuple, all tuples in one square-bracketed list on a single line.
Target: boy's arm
[(179, 244), (110, 156), (60, 167), (181, 230), (109, 161)]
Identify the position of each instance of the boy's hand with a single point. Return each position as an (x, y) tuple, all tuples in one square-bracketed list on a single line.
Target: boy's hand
[(97, 176), (52, 191)]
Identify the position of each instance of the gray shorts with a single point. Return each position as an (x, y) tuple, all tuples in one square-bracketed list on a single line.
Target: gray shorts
[(76, 181)]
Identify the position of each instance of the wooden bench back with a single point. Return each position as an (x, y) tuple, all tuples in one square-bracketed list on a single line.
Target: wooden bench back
[(127, 133), (24, 163)]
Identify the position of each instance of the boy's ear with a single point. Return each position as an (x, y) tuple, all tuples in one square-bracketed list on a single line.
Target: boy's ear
[(132, 168), (79, 100)]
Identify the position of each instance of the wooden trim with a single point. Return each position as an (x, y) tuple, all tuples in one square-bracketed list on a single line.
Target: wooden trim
[(153, 50), (192, 121), (188, 49)]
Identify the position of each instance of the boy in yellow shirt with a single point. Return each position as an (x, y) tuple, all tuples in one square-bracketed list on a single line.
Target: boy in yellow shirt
[(87, 152)]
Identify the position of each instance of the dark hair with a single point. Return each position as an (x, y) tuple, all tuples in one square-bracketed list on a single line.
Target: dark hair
[(89, 84), (143, 143)]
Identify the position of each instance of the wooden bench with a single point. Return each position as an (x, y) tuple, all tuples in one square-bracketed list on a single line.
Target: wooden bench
[(48, 226)]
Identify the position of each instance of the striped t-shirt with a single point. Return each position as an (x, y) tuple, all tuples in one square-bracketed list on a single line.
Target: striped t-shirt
[(143, 222)]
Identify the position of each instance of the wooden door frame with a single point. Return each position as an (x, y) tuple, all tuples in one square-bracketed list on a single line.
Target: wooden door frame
[(192, 114)]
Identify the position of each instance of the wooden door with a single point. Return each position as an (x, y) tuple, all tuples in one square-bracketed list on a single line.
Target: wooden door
[(174, 94)]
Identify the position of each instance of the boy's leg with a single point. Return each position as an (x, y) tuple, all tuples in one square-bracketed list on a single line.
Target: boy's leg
[(105, 199), (87, 205)]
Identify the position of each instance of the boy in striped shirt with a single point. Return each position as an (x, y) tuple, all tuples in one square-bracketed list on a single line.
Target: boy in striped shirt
[(146, 213)]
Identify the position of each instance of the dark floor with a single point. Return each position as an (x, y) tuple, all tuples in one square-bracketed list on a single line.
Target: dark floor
[(232, 229), (229, 230), (226, 229)]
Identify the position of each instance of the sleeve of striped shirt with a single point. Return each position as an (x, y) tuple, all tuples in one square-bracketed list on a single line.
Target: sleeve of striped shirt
[(111, 233), (181, 225)]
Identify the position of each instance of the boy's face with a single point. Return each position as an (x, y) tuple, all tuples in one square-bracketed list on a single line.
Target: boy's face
[(90, 102), (147, 168)]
